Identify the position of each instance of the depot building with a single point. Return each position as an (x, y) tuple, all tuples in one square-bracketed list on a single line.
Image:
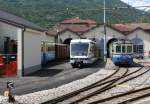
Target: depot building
[(74, 28), (20, 45)]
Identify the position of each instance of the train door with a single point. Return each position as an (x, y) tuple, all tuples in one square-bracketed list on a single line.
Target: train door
[(109, 47)]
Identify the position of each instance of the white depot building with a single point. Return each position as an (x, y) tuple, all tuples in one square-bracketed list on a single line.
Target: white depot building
[(138, 33), (22, 38)]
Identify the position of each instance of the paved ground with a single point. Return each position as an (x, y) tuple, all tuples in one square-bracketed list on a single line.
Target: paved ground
[(144, 62), (49, 77)]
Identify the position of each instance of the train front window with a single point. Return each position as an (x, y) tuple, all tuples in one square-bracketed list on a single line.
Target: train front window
[(118, 49), (79, 49)]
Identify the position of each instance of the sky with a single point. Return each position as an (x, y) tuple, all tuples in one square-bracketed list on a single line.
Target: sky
[(136, 3)]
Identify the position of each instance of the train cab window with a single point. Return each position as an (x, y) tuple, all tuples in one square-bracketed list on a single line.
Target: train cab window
[(118, 48), (129, 49), (79, 49), (123, 49)]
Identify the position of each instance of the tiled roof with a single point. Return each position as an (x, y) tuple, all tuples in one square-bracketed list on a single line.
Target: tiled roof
[(75, 28), (75, 25), (78, 20), (131, 27), (122, 27), (18, 21)]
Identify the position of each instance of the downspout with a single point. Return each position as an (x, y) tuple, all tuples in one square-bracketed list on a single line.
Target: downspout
[(56, 44), (22, 41)]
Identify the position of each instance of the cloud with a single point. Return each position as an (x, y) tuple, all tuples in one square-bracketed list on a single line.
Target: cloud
[(136, 3)]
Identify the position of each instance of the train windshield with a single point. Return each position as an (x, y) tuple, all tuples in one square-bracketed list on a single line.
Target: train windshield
[(79, 49)]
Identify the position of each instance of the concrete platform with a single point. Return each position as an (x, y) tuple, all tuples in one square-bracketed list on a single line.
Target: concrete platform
[(144, 62)]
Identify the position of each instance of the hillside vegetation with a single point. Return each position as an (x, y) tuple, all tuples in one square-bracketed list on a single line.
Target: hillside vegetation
[(49, 12)]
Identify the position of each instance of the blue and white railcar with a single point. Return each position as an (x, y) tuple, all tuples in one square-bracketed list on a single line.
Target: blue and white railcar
[(122, 53), (83, 51), (48, 52)]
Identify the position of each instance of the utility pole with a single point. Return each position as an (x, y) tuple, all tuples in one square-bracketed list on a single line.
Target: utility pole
[(105, 51)]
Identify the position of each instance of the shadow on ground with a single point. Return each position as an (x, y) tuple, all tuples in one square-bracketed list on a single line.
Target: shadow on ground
[(137, 65), (98, 64), (46, 72), (56, 62), (133, 65)]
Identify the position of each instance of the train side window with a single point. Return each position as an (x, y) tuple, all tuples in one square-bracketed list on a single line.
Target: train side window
[(123, 49), (118, 49), (129, 49)]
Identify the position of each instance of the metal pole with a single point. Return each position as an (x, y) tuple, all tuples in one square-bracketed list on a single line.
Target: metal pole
[(105, 51)]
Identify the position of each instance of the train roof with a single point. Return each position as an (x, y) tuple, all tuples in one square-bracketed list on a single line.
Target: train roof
[(123, 42), (82, 40)]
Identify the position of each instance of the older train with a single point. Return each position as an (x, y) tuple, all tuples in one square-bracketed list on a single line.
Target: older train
[(122, 52)]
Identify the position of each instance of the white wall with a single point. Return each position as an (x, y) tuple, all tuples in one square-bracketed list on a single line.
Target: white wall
[(98, 34), (47, 38), (32, 51), (67, 34), (144, 36)]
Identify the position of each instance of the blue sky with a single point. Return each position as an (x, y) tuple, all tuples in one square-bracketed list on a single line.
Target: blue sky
[(135, 3)]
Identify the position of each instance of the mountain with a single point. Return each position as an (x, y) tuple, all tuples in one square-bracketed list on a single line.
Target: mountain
[(49, 12), (139, 4)]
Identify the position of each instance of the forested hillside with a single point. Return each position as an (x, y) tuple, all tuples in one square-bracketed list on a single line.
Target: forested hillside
[(49, 12)]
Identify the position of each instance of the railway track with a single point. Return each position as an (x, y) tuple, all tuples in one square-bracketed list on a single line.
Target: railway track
[(127, 97), (110, 100), (118, 77), (122, 79), (69, 95)]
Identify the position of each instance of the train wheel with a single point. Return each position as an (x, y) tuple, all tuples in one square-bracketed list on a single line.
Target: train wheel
[(73, 66), (80, 65)]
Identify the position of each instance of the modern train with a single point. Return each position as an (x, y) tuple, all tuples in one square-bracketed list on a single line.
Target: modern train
[(122, 52), (83, 52)]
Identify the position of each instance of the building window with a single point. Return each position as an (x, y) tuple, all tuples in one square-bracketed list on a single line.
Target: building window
[(138, 47)]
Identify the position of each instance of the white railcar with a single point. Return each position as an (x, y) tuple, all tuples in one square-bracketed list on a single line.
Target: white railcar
[(82, 52)]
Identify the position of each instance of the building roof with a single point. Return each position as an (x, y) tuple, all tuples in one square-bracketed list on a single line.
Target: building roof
[(78, 21), (75, 25), (18, 21), (131, 27), (75, 28)]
